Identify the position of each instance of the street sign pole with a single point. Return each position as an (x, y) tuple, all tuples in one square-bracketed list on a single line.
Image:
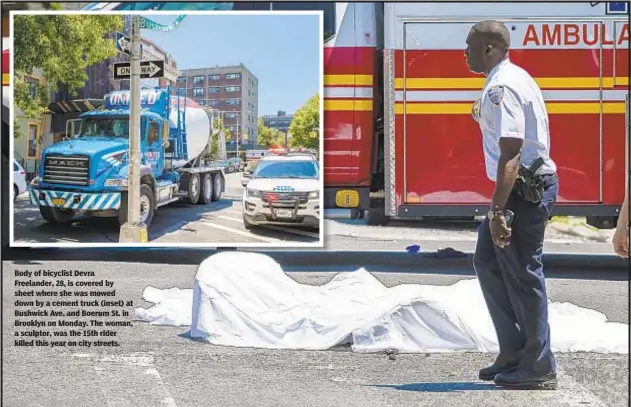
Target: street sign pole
[(133, 231)]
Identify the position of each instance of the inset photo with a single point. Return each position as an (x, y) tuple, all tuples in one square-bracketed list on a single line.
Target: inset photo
[(166, 129)]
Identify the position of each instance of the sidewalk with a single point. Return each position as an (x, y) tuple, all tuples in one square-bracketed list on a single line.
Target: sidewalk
[(317, 259)]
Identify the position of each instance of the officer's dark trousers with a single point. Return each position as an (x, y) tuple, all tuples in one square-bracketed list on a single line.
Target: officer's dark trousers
[(514, 287)]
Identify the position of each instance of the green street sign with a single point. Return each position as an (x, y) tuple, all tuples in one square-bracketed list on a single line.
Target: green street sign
[(152, 25)]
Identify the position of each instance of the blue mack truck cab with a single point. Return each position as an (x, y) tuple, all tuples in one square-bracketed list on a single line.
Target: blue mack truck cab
[(88, 173)]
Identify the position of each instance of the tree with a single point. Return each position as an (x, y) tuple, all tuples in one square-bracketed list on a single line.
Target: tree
[(62, 46), (305, 126), (269, 137), (213, 151)]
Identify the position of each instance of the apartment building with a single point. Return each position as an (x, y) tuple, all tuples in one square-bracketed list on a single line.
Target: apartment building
[(280, 121), (229, 89)]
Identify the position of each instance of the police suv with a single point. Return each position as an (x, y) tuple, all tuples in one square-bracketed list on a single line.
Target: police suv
[(284, 190)]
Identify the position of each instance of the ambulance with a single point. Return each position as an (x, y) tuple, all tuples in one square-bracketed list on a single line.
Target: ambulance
[(399, 137), (254, 155)]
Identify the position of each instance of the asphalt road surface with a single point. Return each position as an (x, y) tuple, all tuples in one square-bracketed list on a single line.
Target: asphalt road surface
[(157, 365), (218, 223)]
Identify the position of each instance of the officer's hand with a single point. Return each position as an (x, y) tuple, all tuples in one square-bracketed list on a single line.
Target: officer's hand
[(621, 241), (500, 232)]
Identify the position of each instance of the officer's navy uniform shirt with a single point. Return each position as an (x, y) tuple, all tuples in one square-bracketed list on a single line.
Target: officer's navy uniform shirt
[(512, 105)]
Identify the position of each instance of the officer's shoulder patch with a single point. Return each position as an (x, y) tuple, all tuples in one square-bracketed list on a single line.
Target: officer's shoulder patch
[(496, 94)]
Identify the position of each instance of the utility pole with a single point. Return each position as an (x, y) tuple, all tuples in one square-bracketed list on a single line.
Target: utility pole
[(133, 231), (222, 137), (237, 135)]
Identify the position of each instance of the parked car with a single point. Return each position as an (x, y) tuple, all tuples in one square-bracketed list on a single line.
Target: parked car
[(237, 163), (19, 180), (248, 170), (225, 164), (283, 190)]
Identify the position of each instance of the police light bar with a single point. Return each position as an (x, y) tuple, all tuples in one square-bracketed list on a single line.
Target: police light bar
[(285, 151)]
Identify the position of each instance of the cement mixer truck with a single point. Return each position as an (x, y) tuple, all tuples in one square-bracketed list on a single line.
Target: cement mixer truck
[(87, 173)]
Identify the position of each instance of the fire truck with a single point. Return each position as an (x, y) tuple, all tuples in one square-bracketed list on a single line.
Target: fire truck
[(399, 96), (399, 137)]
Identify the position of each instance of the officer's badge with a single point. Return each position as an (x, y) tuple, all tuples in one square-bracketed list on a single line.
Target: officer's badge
[(496, 94), (475, 110)]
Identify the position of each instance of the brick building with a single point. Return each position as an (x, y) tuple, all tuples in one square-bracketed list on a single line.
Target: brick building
[(230, 89), (280, 121)]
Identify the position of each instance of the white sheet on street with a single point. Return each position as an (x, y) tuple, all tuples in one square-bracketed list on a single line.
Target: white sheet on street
[(246, 300)]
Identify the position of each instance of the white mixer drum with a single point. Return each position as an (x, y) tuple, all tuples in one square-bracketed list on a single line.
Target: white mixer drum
[(197, 128)]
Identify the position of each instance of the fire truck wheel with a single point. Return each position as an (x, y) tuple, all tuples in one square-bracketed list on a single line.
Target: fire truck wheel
[(376, 217), (57, 216), (194, 188), (601, 222), (207, 190), (217, 187)]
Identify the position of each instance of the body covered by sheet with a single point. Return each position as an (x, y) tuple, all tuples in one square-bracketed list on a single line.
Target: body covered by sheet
[(247, 300)]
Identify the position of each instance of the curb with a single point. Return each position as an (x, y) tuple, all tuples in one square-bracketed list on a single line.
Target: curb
[(315, 259), (447, 258)]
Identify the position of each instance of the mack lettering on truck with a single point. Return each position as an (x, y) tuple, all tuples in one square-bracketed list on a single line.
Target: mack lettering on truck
[(67, 170)]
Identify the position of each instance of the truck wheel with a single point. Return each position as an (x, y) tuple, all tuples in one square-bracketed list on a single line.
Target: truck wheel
[(601, 222), (194, 188), (147, 206), (57, 216), (376, 217), (207, 190), (217, 187)]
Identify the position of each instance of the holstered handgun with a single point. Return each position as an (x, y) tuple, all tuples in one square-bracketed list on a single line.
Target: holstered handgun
[(528, 185)]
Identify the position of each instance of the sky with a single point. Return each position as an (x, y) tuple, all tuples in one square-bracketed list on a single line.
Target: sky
[(282, 51)]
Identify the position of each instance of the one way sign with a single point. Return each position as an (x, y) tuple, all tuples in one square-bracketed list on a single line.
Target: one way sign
[(148, 69), (123, 44)]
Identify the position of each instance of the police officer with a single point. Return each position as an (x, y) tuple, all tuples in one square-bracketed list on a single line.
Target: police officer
[(508, 256)]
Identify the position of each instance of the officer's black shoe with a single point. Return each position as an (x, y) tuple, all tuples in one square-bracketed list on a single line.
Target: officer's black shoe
[(489, 373), (523, 381)]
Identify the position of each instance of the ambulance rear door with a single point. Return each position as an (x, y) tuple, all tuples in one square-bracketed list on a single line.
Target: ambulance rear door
[(437, 165), (434, 160)]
